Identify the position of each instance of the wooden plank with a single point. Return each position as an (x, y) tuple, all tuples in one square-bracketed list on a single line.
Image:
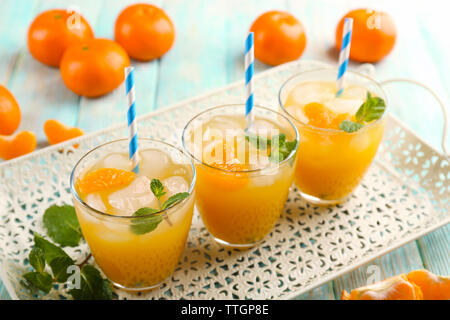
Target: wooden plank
[(13, 43), (39, 89), (435, 251), (214, 34), (104, 111)]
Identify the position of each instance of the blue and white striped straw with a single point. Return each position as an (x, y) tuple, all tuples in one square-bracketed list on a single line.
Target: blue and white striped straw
[(344, 54), (131, 115), (249, 68)]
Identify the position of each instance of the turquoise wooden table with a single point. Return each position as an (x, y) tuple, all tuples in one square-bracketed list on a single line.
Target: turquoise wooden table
[(208, 54)]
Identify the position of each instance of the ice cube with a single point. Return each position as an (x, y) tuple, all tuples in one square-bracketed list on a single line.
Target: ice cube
[(95, 201), (225, 123), (311, 92), (264, 127), (355, 92), (297, 112), (341, 105), (267, 177), (118, 161), (112, 231), (175, 184), (133, 197), (154, 164)]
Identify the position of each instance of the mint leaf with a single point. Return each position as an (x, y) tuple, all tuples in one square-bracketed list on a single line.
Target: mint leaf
[(350, 126), (280, 149), (92, 286), (37, 260), (372, 109), (259, 142), (279, 139), (145, 225), (62, 225), (59, 266), (50, 250), (157, 188), (42, 281), (174, 199)]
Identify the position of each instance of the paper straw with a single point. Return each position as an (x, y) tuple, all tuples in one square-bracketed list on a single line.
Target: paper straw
[(131, 115), (344, 54), (249, 68)]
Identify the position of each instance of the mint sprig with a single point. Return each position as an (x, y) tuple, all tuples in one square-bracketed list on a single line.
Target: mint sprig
[(148, 224), (62, 225), (145, 225), (280, 149), (372, 109), (92, 286), (350, 126), (45, 253)]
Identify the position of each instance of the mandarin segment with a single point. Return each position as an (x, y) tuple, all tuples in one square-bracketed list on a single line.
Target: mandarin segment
[(17, 145), (104, 179), (230, 180), (434, 287), (393, 288), (57, 132), (322, 117)]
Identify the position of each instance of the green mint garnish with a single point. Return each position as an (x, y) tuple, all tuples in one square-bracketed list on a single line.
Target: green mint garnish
[(350, 126), (39, 280), (157, 188), (372, 109), (59, 267), (36, 259), (50, 250), (174, 199), (280, 149), (62, 225), (145, 225), (92, 285), (259, 142)]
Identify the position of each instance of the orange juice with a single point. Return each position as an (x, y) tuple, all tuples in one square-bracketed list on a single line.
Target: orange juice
[(331, 162), (134, 252), (241, 187)]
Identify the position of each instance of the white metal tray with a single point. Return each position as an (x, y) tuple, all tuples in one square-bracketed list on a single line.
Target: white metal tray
[(404, 195)]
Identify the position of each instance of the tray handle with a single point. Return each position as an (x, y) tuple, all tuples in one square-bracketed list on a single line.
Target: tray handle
[(438, 99)]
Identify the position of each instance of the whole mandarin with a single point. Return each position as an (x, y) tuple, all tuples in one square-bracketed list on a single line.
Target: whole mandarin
[(53, 31), (279, 37), (94, 67), (10, 114), (373, 35), (144, 31)]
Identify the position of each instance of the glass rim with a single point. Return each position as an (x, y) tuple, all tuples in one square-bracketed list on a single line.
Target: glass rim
[(125, 218), (376, 83), (292, 154)]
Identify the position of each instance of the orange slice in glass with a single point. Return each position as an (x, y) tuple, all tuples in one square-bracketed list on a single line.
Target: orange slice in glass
[(104, 179)]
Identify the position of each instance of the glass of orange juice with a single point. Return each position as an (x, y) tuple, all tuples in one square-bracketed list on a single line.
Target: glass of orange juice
[(136, 225), (244, 173), (339, 136)]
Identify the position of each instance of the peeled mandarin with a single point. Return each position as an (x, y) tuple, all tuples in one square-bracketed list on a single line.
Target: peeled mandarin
[(57, 132), (434, 287), (103, 179), (17, 145), (393, 288)]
